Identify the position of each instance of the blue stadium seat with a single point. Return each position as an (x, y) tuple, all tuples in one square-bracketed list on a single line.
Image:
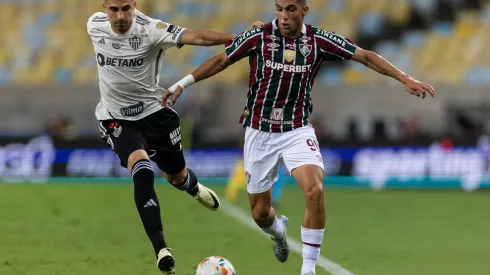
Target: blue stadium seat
[(413, 39), (371, 24), (238, 28), (443, 28), (388, 49), (34, 37), (5, 76), (478, 76), (335, 6), (330, 76), (63, 75), (200, 55), (427, 7)]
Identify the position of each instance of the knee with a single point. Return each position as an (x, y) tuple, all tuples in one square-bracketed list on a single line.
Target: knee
[(261, 213), (135, 157), (314, 195)]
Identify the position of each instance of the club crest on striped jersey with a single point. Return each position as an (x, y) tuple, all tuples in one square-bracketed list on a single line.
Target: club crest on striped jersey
[(305, 49), (289, 55), (277, 114)]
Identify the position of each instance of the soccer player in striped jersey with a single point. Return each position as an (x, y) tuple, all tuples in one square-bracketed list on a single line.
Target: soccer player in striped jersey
[(129, 47), (285, 56)]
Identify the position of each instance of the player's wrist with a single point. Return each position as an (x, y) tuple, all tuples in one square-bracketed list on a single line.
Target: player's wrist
[(404, 78), (187, 81), (184, 83)]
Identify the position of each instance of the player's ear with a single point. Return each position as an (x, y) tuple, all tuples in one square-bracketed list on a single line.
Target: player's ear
[(306, 9)]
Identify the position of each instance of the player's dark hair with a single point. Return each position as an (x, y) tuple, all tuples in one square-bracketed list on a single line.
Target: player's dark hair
[(105, 1), (302, 2)]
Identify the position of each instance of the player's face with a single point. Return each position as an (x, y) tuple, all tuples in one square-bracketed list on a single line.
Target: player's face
[(291, 15), (120, 13)]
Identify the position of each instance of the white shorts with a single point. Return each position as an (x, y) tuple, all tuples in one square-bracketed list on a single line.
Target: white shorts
[(264, 151)]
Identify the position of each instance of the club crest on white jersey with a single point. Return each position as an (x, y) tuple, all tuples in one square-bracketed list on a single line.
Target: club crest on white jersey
[(129, 64)]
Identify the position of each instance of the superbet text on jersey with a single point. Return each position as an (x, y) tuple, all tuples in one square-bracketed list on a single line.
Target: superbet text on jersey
[(282, 73), (129, 64)]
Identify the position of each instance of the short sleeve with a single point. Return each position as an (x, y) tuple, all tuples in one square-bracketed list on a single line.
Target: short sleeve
[(334, 46), (96, 20), (242, 45), (166, 35)]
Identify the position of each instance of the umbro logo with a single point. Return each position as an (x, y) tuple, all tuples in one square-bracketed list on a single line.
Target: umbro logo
[(150, 203), (273, 45), (101, 41)]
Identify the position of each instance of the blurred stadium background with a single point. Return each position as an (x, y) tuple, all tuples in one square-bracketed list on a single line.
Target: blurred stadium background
[(49, 88), (372, 133)]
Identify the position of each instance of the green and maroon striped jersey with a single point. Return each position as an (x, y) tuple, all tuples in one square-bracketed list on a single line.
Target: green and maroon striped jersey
[(282, 73)]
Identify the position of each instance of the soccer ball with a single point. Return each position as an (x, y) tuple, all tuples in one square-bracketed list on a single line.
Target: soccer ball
[(215, 265)]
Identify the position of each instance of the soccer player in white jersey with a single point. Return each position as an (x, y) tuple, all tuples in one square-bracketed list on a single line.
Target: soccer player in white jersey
[(130, 47), (284, 58)]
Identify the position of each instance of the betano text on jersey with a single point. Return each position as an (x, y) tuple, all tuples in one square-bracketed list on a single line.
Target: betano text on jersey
[(129, 64)]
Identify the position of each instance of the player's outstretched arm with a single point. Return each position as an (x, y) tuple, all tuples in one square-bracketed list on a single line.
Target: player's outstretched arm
[(210, 38), (209, 68), (205, 38), (379, 64), (212, 67)]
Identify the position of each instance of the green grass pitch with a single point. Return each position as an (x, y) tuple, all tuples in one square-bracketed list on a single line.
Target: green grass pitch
[(75, 229)]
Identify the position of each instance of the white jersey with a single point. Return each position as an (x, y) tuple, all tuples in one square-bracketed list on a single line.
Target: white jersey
[(129, 65)]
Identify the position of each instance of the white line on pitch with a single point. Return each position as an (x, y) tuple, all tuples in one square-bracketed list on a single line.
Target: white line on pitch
[(295, 246)]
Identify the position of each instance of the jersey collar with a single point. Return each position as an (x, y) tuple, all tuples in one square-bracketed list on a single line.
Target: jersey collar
[(276, 29)]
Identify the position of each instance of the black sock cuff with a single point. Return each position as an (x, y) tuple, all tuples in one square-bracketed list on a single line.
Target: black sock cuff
[(192, 177), (184, 185), (189, 182), (193, 188), (141, 165)]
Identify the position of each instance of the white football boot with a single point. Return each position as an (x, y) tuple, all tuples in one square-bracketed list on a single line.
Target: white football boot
[(207, 197), (281, 247), (166, 262)]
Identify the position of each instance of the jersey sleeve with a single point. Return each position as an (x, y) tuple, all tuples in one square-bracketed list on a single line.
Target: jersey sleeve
[(166, 35), (243, 44), (334, 46), (96, 20)]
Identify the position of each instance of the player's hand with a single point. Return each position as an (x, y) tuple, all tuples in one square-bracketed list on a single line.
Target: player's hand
[(255, 25), (418, 88), (167, 94)]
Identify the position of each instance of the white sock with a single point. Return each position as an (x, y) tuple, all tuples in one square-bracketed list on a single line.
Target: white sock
[(276, 230), (312, 240)]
